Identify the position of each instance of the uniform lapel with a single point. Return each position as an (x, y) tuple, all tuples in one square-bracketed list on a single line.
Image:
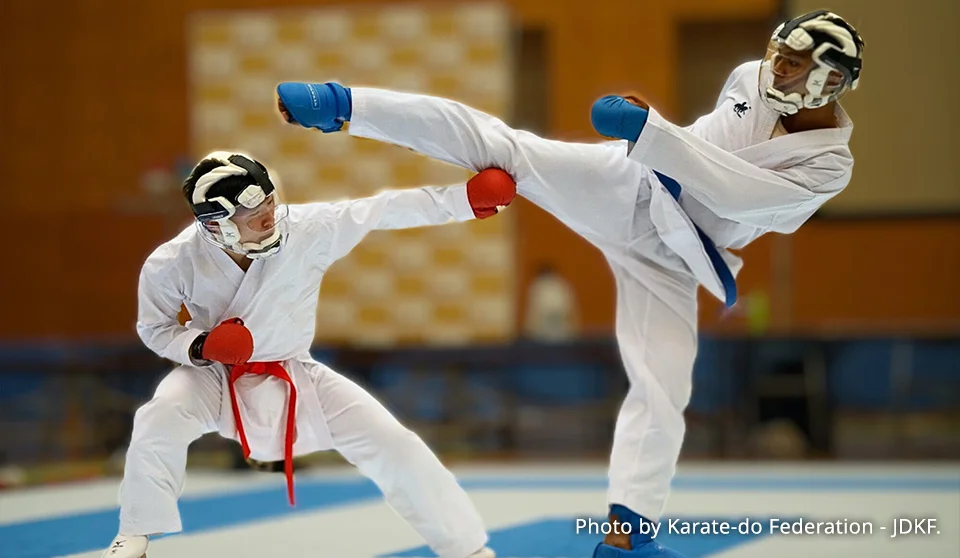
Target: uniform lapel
[(230, 270), (785, 151), (246, 283), (249, 285)]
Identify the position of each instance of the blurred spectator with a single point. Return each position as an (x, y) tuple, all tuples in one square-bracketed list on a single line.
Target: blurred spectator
[(780, 439), (551, 314), (10, 474)]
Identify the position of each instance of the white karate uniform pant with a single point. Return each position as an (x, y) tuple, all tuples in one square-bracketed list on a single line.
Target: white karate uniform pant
[(187, 404), (658, 347)]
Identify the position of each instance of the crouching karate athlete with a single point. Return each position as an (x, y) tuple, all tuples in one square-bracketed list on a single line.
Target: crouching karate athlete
[(663, 203), (249, 274)]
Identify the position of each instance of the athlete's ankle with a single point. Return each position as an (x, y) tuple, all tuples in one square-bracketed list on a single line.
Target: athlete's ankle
[(632, 537), (618, 537)]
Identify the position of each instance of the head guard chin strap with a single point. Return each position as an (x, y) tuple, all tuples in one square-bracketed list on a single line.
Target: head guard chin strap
[(835, 47), (219, 210)]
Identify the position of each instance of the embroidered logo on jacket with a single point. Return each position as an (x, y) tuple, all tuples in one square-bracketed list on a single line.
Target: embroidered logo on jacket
[(740, 108)]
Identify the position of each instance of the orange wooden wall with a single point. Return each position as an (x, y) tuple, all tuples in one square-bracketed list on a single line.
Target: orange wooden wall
[(835, 277), (94, 92)]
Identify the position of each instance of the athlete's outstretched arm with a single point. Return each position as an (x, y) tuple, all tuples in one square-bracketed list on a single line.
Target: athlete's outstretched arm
[(344, 224), (729, 186), (590, 187), (347, 223)]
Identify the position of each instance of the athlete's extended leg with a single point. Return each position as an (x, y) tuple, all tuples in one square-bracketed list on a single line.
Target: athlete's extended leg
[(590, 187), (413, 481), (184, 407)]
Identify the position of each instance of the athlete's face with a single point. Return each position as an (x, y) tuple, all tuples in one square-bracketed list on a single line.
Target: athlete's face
[(254, 225), (791, 69), (257, 224)]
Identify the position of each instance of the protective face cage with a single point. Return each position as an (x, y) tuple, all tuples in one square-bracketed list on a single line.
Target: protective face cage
[(246, 222), (811, 60)]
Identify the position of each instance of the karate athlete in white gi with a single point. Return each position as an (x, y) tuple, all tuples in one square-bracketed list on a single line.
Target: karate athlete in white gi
[(664, 205), (249, 274)]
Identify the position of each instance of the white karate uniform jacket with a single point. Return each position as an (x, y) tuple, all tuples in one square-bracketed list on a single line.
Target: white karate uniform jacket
[(739, 182), (737, 185)]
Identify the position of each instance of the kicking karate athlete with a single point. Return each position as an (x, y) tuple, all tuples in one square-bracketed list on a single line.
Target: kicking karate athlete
[(663, 205), (249, 274)]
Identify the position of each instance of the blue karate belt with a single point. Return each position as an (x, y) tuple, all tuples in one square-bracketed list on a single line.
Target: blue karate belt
[(720, 266)]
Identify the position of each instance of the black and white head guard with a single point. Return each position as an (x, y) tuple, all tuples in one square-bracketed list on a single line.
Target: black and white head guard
[(811, 60), (236, 204)]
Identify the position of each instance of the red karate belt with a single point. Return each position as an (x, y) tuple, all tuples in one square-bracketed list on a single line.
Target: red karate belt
[(271, 369)]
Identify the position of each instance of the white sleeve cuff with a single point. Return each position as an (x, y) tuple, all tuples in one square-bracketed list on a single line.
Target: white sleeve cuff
[(179, 350), (637, 150), (462, 210), (360, 111)]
